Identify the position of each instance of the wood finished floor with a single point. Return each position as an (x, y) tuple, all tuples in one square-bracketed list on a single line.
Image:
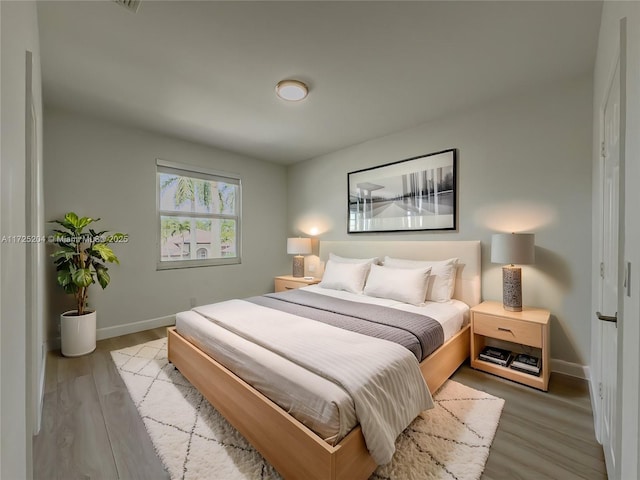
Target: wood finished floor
[(92, 430)]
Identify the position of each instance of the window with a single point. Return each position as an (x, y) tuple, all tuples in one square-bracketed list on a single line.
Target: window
[(198, 216)]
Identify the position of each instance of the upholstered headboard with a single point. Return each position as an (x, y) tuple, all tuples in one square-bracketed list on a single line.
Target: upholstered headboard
[(468, 282)]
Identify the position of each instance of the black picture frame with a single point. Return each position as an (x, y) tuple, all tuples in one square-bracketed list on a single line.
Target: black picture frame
[(414, 194)]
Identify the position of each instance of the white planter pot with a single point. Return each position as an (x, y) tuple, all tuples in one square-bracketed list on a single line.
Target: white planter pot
[(78, 333)]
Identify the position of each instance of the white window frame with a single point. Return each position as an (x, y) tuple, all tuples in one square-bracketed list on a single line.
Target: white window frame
[(163, 166)]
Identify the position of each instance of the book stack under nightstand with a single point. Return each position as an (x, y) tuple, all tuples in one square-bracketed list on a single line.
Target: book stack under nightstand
[(499, 356)]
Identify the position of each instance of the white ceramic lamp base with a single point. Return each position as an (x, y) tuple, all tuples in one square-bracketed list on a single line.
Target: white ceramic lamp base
[(512, 288)]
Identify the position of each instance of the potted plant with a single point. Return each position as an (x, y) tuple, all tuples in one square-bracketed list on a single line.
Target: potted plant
[(80, 262)]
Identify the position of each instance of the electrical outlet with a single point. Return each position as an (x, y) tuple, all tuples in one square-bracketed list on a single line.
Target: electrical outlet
[(193, 302)]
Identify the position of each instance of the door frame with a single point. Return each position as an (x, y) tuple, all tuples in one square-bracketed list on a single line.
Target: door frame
[(627, 420), (628, 425), (598, 195), (612, 452)]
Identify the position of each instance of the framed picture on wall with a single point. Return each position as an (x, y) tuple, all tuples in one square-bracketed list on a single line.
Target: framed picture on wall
[(418, 193)]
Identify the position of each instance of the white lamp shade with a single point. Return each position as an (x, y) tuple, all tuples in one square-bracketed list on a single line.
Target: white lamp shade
[(298, 246), (513, 248)]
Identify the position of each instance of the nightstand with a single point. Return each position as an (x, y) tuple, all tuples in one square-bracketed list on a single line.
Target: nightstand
[(289, 282), (525, 332)]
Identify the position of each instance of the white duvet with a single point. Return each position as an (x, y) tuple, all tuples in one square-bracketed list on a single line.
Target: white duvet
[(382, 378)]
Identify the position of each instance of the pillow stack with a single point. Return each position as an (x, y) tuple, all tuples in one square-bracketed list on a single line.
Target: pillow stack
[(347, 274), (401, 284), (442, 279), (409, 281)]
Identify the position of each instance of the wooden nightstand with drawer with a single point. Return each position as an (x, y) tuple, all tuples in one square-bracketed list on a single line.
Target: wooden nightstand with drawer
[(525, 332), (289, 282)]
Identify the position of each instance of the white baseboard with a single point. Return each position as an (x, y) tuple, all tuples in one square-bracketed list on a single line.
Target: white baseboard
[(134, 327), (40, 394), (116, 331), (571, 369), (594, 392)]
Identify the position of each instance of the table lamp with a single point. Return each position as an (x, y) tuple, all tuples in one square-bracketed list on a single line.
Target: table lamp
[(298, 247), (512, 248)]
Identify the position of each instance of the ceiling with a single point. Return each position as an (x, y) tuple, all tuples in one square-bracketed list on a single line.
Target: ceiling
[(206, 71)]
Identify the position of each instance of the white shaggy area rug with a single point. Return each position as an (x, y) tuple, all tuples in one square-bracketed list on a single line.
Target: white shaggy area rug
[(194, 441)]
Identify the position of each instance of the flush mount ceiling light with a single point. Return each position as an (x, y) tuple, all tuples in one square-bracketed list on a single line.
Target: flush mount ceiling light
[(291, 90)]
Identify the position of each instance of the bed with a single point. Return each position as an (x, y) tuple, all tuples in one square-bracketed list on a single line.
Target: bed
[(292, 447)]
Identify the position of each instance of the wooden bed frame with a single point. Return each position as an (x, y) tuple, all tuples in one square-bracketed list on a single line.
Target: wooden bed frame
[(294, 450)]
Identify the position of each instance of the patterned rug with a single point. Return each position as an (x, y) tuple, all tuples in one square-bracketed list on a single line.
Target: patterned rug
[(194, 441)]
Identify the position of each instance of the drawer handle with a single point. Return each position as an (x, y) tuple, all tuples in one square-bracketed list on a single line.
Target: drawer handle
[(289, 288), (502, 329)]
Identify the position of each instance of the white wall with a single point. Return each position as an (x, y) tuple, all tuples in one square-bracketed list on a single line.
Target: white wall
[(524, 165), (19, 33), (100, 169), (629, 306)]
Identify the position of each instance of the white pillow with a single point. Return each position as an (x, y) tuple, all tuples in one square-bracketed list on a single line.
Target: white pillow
[(344, 276), (336, 258), (442, 280), (402, 284)]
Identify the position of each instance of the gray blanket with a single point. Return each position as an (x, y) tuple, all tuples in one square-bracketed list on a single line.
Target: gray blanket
[(420, 334)]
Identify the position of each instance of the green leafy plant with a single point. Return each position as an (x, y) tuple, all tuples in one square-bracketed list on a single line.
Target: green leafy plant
[(82, 255)]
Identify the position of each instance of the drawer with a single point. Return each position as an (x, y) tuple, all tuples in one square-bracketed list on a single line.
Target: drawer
[(282, 285), (516, 331)]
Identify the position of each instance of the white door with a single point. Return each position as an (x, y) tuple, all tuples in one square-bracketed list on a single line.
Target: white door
[(607, 328)]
